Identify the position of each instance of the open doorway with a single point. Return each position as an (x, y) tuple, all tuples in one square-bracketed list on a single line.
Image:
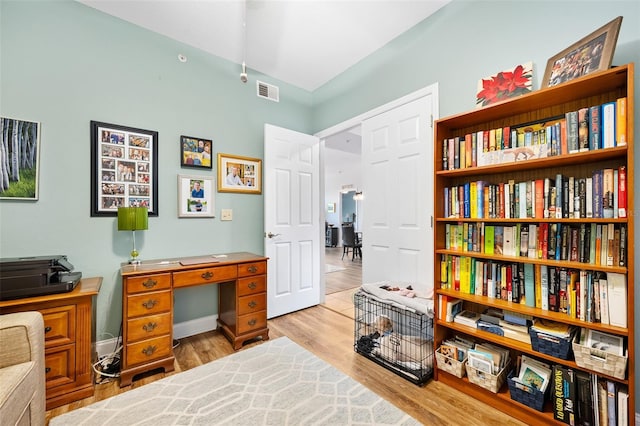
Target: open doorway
[(343, 179)]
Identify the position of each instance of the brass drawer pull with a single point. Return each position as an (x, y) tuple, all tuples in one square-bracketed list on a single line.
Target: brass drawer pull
[(252, 269), (207, 275), (149, 350), (150, 283), (149, 304), (252, 304), (150, 327), (252, 285), (252, 322), (47, 369), (47, 329)]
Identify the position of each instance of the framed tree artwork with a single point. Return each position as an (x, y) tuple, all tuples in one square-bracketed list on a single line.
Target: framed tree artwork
[(19, 172), (124, 169)]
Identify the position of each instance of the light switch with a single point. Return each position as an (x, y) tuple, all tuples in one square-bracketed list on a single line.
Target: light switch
[(226, 214)]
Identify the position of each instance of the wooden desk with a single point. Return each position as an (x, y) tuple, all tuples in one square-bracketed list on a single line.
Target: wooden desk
[(147, 305), (69, 339)]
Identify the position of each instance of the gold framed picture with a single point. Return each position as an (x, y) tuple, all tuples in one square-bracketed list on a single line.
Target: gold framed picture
[(239, 174)]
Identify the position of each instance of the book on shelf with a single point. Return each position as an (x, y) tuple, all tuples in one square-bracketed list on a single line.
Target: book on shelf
[(564, 394), (586, 129), (468, 318), (617, 298)]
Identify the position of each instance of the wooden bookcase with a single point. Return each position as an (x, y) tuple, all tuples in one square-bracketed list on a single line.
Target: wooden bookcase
[(594, 89)]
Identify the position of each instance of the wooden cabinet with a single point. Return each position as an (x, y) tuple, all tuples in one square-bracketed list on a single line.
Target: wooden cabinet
[(147, 305), (243, 304), (543, 105), (331, 237), (69, 322)]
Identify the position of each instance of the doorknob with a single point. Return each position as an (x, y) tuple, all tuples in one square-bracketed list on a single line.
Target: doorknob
[(271, 235)]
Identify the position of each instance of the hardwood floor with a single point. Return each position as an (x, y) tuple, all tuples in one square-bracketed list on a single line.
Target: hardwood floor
[(327, 331), (329, 335), (348, 277)]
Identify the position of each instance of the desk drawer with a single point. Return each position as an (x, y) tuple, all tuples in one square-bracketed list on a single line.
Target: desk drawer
[(148, 303), (252, 285), (252, 303), (59, 366), (250, 322), (148, 350), (149, 326), (59, 325), (255, 268), (205, 276), (148, 283)]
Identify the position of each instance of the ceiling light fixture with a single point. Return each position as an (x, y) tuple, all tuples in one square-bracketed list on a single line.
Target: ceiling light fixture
[(243, 73)]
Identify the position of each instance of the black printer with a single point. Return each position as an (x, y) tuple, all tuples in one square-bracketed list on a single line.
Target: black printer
[(35, 276)]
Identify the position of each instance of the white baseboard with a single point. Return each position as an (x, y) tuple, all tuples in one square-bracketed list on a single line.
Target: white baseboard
[(196, 326), (180, 330), (637, 419)]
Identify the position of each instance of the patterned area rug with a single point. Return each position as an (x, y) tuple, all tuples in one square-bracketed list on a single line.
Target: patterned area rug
[(274, 383), (332, 268)]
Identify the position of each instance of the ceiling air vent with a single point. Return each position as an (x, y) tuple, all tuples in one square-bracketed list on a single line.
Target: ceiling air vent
[(268, 91)]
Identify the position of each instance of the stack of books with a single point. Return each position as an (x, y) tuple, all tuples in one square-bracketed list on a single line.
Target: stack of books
[(506, 325), (468, 318)]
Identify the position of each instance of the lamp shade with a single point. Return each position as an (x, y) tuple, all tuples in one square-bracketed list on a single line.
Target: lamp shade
[(133, 218)]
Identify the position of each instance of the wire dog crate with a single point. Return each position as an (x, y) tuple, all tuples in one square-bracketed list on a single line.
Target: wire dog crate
[(398, 339)]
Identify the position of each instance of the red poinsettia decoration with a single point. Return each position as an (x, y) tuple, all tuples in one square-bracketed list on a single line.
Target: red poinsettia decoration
[(506, 84)]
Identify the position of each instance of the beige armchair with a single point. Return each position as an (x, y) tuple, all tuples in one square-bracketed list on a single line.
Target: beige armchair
[(22, 377)]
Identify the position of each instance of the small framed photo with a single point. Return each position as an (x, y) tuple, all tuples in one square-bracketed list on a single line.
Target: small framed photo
[(124, 169), (239, 174), (331, 207), (21, 142), (195, 196), (196, 152), (592, 53)]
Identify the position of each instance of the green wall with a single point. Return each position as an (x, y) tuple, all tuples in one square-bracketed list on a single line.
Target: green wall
[(64, 64)]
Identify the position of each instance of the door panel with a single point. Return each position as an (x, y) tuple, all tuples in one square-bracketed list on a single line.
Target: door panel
[(397, 155), (292, 217)]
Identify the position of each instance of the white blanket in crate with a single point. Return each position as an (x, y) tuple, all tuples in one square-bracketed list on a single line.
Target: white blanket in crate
[(415, 304)]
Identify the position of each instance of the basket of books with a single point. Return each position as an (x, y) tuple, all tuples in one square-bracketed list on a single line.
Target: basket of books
[(530, 385), (552, 338), (487, 366), (602, 352), (447, 361), (489, 381)]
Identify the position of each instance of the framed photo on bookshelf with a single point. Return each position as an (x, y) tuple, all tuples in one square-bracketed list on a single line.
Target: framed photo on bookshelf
[(124, 169), (593, 52)]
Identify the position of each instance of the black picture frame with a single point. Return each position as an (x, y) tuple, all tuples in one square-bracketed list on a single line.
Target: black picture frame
[(196, 152), (124, 168)]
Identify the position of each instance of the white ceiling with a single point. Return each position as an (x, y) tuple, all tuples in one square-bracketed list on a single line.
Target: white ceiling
[(303, 42)]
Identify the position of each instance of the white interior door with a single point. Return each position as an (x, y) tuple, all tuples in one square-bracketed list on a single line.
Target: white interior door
[(292, 220), (397, 169)]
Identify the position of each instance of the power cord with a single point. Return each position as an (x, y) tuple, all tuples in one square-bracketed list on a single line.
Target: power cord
[(109, 365)]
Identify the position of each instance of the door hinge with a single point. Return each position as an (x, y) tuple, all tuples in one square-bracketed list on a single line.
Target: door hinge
[(432, 121), (431, 222)]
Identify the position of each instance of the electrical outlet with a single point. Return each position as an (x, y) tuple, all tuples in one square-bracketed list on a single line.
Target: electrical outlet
[(226, 214)]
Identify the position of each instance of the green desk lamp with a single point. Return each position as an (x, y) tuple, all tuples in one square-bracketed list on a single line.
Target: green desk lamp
[(133, 219)]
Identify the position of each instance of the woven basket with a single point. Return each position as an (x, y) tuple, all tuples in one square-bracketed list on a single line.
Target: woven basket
[(450, 365), (551, 345), (526, 395), (492, 382), (602, 362)]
